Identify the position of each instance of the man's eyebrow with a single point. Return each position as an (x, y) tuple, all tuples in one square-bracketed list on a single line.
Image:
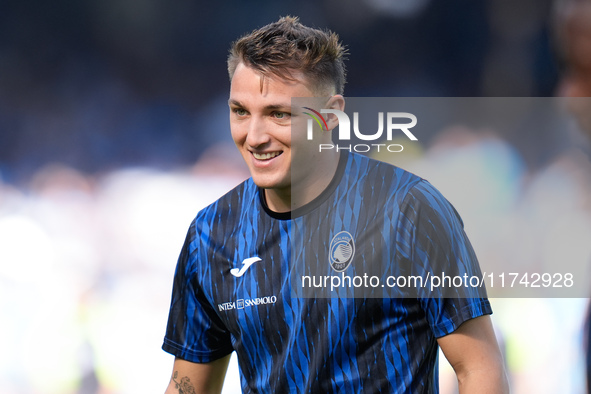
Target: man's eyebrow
[(278, 106), (269, 107)]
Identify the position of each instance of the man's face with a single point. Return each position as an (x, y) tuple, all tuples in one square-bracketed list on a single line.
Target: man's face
[(576, 81), (261, 124)]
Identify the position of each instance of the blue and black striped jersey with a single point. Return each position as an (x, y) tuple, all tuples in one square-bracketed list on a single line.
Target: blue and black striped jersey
[(252, 281)]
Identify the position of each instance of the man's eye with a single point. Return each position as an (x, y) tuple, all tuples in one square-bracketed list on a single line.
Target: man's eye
[(280, 115), (240, 111)]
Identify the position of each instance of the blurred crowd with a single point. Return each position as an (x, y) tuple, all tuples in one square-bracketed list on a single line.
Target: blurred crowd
[(114, 133), (87, 262), (86, 272), (105, 84)]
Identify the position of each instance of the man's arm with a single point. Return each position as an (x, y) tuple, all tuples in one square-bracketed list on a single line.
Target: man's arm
[(474, 354), (194, 378)]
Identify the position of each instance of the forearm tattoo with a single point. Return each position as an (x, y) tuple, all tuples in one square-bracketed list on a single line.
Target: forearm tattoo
[(184, 386)]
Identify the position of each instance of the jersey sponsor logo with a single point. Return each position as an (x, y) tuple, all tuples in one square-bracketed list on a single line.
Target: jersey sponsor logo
[(246, 263), (342, 250), (247, 303)]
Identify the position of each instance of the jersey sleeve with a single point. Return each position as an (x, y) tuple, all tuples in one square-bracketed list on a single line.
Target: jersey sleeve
[(434, 245), (194, 332)]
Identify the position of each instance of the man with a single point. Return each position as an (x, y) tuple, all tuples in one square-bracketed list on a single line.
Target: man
[(573, 28), (233, 287), (574, 35)]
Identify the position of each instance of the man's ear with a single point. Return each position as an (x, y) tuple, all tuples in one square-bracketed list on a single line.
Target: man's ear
[(335, 102)]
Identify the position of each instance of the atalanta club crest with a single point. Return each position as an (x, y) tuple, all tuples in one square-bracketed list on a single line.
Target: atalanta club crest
[(342, 250)]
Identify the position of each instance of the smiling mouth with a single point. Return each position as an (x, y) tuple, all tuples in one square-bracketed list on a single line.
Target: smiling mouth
[(265, 156)]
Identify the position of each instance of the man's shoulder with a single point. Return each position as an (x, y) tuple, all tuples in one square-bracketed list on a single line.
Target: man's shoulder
[(382, 174), (239, 198), (384, 183)]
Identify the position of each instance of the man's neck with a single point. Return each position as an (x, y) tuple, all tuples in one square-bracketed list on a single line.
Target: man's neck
[(304, 191)]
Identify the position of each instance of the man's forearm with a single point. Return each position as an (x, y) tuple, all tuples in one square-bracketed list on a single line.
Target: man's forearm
[(489, 381), (196, 378), (180, 385)]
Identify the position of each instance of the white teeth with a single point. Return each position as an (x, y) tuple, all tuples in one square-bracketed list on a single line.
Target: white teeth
[(265, 156)]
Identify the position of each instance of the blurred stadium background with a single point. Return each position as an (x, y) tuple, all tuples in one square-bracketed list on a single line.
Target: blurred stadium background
[(114, 133)]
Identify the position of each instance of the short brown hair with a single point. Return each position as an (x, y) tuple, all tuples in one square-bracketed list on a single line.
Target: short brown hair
[(288, 45)]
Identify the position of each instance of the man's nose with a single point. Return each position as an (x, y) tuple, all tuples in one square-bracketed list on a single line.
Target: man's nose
[(257, 133)]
